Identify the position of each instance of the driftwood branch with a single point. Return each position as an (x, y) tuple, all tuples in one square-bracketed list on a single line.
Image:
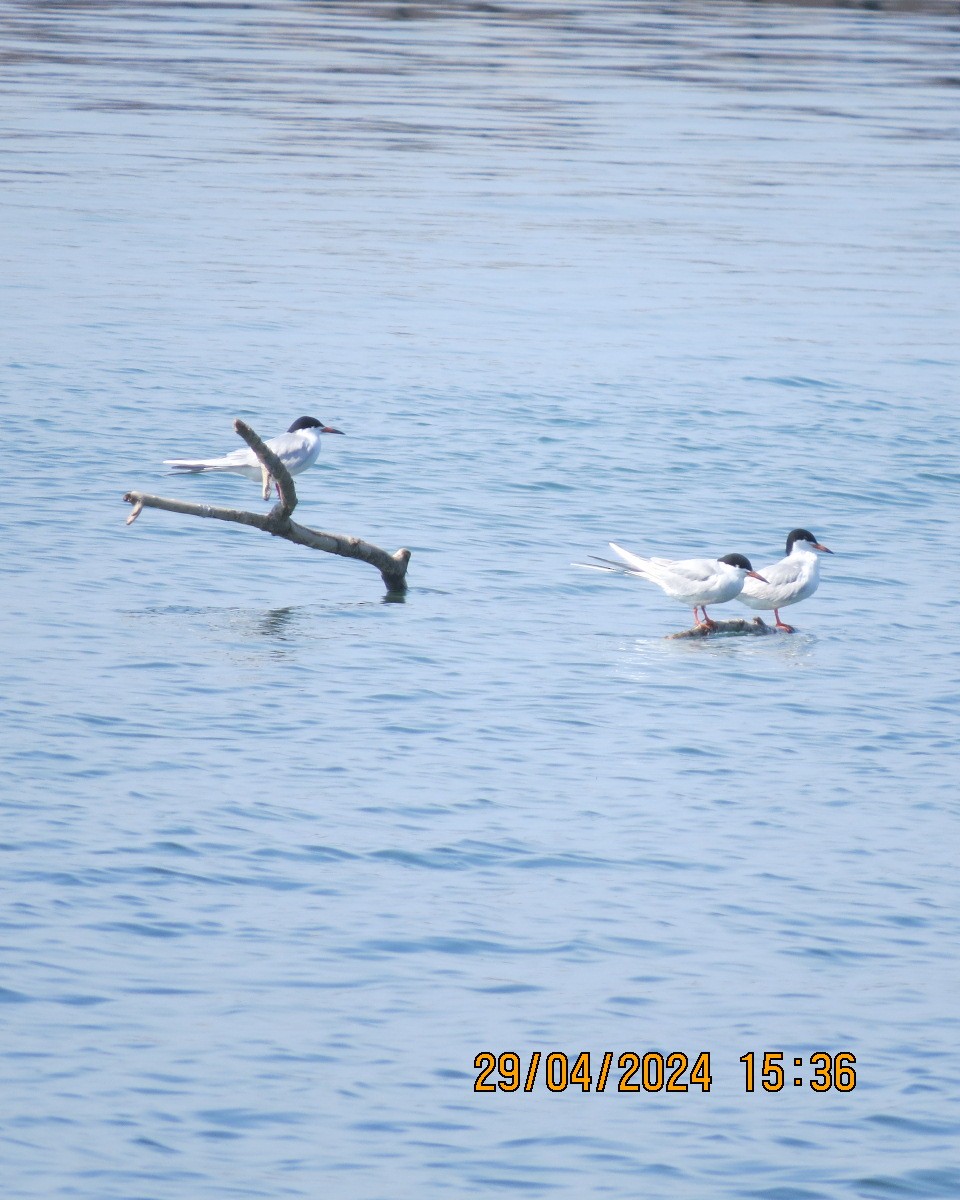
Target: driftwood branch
[(277, 522), (739, 625), (272, 468)]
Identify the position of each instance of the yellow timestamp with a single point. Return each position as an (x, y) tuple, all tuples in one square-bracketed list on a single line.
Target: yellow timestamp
[(634, 1072), (653, 1071), (829, 1072)]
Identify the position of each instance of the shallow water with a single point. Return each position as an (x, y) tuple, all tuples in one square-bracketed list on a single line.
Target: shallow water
[(282, 858)]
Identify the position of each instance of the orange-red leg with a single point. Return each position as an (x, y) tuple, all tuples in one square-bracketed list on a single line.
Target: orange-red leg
[(781, 624)]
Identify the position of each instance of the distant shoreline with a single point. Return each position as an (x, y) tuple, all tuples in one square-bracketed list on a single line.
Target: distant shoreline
[(939, 7), (424, 8)]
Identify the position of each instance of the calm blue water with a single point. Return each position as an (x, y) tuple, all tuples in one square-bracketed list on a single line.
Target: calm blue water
[(280, 858)]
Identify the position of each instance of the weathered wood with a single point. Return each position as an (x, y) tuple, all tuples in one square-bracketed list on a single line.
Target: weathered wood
[(737, 626), (272, 468), (277, 522)]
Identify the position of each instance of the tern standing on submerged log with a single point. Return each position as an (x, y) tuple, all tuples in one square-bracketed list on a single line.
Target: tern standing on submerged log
[(695, 582), (788, 581)]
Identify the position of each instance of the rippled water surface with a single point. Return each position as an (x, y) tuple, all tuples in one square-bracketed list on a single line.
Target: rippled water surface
[(282, 858)]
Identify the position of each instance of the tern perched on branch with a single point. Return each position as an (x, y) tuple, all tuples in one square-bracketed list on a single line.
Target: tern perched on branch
[(788, 581), (695, 582), (297, 449)]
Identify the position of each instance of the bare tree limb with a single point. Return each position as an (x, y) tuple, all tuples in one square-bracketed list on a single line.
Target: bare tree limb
[(272, 468), (277, 522), (739, 625)]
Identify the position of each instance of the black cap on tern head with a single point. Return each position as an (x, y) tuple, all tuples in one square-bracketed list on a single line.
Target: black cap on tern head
[(736, 560), (803, 535), (311, 423)]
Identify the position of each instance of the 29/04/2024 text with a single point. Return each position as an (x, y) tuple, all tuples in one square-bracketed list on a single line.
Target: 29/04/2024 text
[(656, 1072)]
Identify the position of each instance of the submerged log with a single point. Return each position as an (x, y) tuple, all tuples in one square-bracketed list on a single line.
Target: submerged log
[(737, 626), (277, 522)]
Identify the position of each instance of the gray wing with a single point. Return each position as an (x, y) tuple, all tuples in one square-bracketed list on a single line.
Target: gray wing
[(781, 573), (694, 570)]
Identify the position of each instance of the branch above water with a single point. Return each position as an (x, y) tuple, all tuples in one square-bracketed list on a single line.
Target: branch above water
[(277, 522)]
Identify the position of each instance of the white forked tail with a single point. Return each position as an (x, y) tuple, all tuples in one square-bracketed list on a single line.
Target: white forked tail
[(197, 464), (617, 568), (635, 564)]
